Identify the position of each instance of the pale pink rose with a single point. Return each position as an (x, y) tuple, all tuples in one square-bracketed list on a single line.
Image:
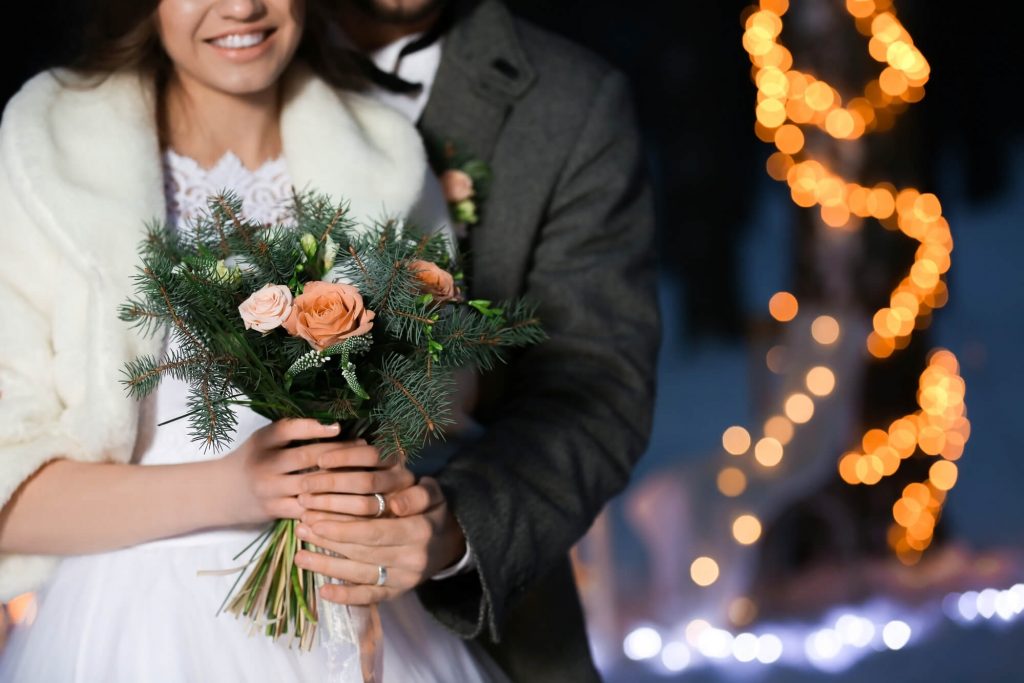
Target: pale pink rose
[(327, 312), (456, 185), (267, 308)]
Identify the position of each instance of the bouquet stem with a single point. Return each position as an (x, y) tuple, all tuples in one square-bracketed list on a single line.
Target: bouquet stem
[(277, 596)]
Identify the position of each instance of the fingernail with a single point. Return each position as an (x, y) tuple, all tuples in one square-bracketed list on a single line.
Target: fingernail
[(302, 531), (300, 558), (332, 429)]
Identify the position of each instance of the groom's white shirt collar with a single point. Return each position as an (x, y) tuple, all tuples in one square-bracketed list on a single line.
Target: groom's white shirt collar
[(417, 67)]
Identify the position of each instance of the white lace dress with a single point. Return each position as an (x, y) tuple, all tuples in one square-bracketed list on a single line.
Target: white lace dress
[(142, 614)]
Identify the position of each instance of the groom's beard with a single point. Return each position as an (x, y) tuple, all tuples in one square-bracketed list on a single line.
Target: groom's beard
[(399, 11)]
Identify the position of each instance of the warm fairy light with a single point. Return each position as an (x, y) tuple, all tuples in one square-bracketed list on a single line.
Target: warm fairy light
[(939, 429), (783, 306), (820, 381), (848, 468), (742, 611), (777, 360), (870, 469), (746, 529), (704, 571), (942, 475), (825, 330), (732, 482), (736, 440), (874, 439), (779, 428), (789, 139), (791, 106), (799, 408), (789, 100), (768, 452)]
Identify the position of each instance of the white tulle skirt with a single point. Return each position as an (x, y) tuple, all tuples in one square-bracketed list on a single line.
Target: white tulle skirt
[(142, 614)]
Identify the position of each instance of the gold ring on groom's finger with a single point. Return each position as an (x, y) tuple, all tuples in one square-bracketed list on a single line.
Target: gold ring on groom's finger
[(382, 504), (382, 575)]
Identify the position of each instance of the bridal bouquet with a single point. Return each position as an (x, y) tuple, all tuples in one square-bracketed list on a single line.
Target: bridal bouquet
[(322, 318)]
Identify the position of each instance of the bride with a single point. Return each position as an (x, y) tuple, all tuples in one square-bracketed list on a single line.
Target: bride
[(171, 101)]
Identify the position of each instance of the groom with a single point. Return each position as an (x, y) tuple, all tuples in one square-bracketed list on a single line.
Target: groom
[(566, 221)]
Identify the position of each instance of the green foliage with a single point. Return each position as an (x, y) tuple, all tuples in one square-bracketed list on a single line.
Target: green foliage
[(413, 405), (394, 384)]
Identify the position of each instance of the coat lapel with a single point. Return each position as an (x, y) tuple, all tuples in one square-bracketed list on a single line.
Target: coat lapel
[(483, 72)]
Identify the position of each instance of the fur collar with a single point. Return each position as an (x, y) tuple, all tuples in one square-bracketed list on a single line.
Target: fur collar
[(86, 161), (82, 165)]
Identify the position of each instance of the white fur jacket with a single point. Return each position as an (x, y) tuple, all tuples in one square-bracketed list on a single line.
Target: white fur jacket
[(80, 176)]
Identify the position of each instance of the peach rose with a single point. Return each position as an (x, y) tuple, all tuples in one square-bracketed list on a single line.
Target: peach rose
[(266, 308), (325, 313), (434, 279), (456, 185)]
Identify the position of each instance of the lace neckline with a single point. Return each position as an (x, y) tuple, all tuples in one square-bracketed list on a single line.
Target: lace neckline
[(265, 191), (228, 163)]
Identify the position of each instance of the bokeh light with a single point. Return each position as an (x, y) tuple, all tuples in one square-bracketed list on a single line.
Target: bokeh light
[(736, 440), (783, 306), (732, 482), (746, 529), (768, 452), (825, 329), (704, 571)]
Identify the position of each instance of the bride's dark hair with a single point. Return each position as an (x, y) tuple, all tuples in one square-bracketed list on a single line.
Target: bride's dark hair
[(121, 34)]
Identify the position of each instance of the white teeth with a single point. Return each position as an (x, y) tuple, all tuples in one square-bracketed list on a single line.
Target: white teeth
[(237, 41)]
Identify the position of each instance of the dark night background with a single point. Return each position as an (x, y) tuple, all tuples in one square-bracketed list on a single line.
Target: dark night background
[(716, 206)]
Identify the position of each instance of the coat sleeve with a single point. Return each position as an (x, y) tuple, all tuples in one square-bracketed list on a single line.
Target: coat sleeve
[(30, 404), (578, 409)]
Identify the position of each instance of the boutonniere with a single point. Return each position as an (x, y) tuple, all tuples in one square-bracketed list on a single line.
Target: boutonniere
[(464, 182)]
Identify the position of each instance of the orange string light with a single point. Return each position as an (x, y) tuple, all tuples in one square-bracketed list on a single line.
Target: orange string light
[(788, 101)]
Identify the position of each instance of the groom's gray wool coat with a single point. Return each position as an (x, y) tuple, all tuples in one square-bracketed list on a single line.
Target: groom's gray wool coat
[(568, 223)]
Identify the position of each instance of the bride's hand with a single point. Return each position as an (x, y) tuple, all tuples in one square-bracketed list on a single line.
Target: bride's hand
[(351, 478), (261, 477), (413, 547)]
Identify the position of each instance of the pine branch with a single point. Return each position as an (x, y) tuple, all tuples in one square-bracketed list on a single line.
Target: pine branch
[(230, 205), (410, 406)]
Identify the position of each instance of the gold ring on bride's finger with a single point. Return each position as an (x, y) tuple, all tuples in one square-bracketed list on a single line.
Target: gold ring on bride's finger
[(382, 504), (382, 575)]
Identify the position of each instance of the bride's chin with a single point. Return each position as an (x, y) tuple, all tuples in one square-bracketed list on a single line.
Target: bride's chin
[(244, 84)]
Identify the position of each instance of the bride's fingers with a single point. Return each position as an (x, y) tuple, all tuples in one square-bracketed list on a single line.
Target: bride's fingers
[(311, 517), (282, 432), (359, 454), (364, 482), (309, 455), (346, 504), (285, 508)]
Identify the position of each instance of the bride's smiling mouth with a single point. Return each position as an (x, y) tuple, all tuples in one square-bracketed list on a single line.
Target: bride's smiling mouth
[(241, 44)]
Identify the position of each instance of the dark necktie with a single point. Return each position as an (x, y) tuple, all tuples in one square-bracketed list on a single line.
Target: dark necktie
[(393, 82)]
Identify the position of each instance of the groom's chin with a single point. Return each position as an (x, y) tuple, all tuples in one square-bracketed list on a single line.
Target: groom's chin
[(399, 11)]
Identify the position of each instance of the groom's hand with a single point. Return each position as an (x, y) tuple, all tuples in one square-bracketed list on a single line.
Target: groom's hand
[(421, 542)]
